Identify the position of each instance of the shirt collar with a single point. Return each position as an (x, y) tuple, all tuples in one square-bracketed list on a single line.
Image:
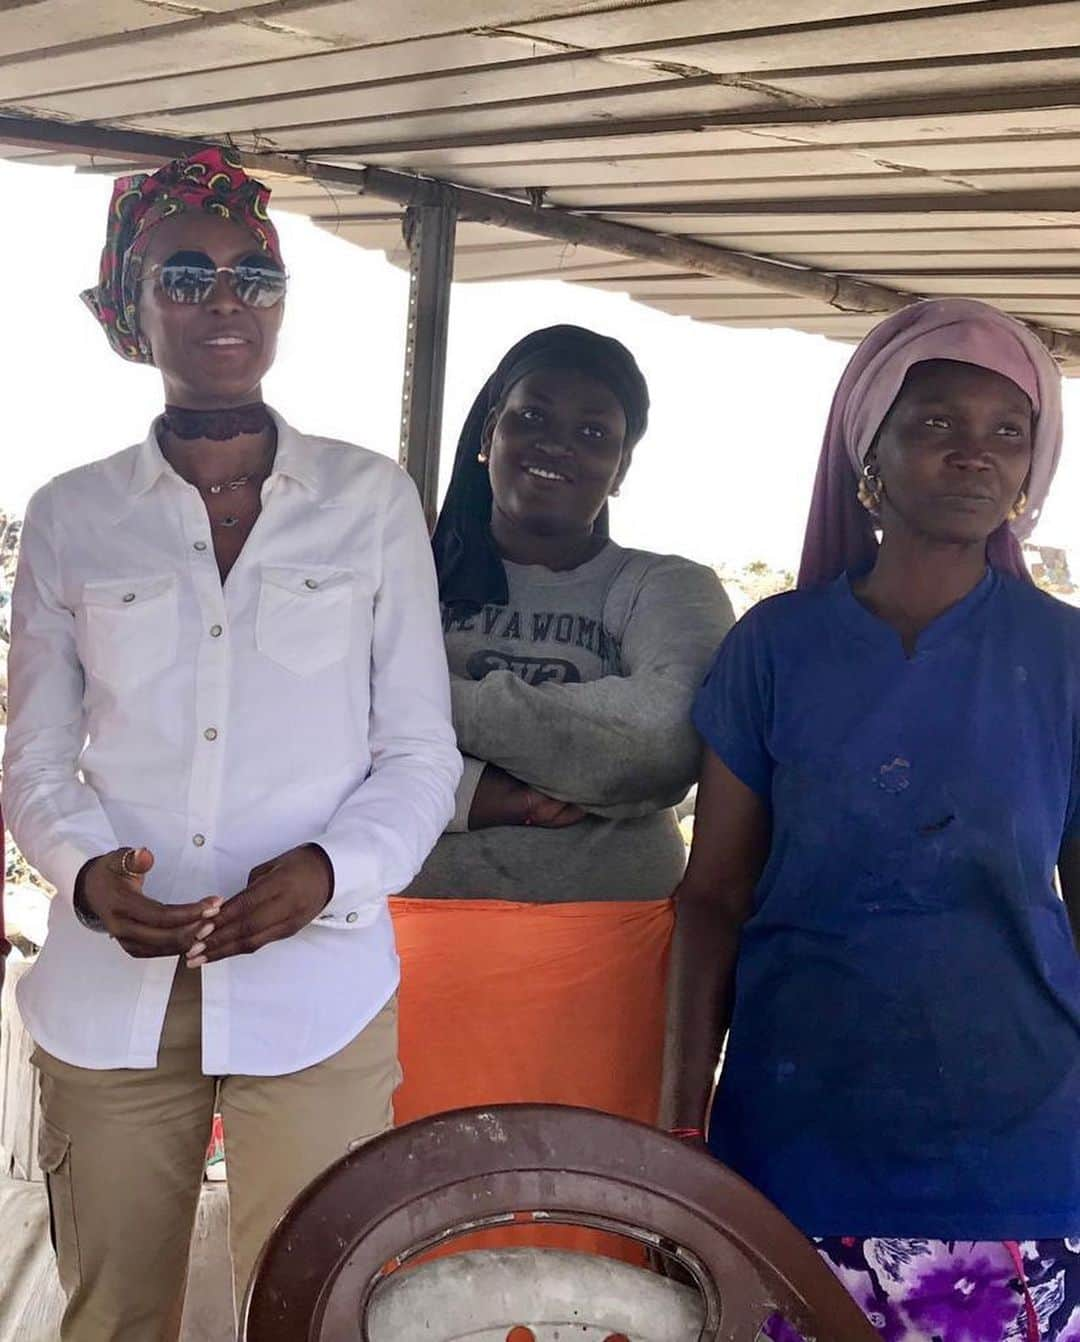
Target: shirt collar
[(148, 466), (870, 627), (295, 458)]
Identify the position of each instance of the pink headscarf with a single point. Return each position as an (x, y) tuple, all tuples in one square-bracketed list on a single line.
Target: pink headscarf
[(839, 532)]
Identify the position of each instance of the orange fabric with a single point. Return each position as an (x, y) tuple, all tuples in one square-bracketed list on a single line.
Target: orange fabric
[(502, 1003)]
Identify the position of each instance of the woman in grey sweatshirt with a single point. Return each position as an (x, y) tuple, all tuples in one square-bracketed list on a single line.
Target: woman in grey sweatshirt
[(534, 941)]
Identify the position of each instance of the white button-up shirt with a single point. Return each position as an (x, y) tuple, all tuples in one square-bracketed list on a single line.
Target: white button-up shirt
[(305, 700)]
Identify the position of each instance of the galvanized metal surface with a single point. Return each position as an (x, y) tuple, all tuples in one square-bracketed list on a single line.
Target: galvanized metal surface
[(482, 1296), (924, 147)]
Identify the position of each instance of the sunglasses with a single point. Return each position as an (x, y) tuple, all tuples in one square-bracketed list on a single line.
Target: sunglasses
[(191, 277)]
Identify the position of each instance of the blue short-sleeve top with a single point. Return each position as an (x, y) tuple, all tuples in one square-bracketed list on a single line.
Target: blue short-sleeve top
[(904, 1055)]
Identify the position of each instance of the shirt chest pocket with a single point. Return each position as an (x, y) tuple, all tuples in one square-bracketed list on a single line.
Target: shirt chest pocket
[(305, 616), (129, 628)]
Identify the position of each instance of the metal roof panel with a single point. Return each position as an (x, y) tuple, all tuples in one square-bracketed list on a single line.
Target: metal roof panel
[(870, 147)]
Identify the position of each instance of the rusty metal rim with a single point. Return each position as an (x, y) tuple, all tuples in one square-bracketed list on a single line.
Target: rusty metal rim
[(376, 1204)]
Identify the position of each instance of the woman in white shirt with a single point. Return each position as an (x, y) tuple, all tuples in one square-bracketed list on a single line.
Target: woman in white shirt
[(229, 733)]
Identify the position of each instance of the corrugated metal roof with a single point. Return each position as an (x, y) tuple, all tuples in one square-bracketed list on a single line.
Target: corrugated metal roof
[(930, 148)]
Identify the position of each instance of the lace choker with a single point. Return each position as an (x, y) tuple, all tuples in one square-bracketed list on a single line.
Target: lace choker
[(216, 425)]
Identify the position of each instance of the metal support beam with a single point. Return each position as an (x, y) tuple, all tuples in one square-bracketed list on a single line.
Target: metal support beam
[(839, 291), (429, 233), (484, 207), (105, 139), (85, 137), (842, 292), (1024, 200)]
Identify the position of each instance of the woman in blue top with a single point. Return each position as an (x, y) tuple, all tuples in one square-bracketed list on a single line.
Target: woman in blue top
[(888, 817)]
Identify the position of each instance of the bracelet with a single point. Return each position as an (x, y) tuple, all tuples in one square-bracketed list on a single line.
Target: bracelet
[(89, 920), (687, 1133)]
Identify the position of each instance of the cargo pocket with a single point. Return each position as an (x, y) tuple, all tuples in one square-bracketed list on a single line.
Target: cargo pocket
[(54, 1157)]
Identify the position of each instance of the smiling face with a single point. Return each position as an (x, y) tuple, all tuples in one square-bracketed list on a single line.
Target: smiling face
[(556, 445), (954, 452), (211, 355)]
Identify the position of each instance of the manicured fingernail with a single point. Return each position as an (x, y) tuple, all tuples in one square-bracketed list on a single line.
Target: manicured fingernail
[(197, 949), (197, 963), (204, 931)]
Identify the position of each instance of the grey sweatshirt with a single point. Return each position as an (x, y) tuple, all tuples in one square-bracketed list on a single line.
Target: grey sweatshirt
[(581, 686)]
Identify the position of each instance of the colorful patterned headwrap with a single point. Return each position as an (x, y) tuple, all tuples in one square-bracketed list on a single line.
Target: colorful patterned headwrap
[(212, 180)]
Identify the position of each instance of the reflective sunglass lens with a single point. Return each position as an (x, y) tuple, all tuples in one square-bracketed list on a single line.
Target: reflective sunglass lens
[(191, 277), (188, 277), (187, 284), (258, 285)]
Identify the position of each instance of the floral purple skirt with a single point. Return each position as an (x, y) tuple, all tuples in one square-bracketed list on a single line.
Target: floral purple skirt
[(924, 1290)]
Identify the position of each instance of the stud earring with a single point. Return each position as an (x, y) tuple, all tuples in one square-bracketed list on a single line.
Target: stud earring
[(1019, 508), (482, 458), (870, 488)]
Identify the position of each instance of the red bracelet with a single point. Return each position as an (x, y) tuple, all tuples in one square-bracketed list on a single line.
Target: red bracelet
[(687, 1133)]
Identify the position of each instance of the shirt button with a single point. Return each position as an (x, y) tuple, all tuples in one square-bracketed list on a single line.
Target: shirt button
[(210, 733), (310, 584), (215, 631), (351, 917), (200, 546), (129, 597), (198, 840)]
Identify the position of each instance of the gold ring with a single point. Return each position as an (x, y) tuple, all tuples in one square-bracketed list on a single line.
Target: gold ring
[(128, 852)]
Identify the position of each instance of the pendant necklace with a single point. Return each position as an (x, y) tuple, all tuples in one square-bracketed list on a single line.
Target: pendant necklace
[(230, 485), (220, 426)]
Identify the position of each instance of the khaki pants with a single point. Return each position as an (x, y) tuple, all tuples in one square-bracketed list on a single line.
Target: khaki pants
[(123, 1154)]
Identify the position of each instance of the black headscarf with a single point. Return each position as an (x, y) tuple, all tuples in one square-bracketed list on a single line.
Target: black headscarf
[(471, 573)]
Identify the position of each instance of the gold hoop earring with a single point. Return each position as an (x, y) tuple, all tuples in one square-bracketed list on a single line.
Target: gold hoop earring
[(1019, 508), (870, 488)]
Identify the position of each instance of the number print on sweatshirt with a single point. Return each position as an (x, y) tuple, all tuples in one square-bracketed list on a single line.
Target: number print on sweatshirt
[(532, 670)]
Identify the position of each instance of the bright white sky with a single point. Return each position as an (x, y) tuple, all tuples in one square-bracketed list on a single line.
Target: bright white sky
[(723, 474)]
